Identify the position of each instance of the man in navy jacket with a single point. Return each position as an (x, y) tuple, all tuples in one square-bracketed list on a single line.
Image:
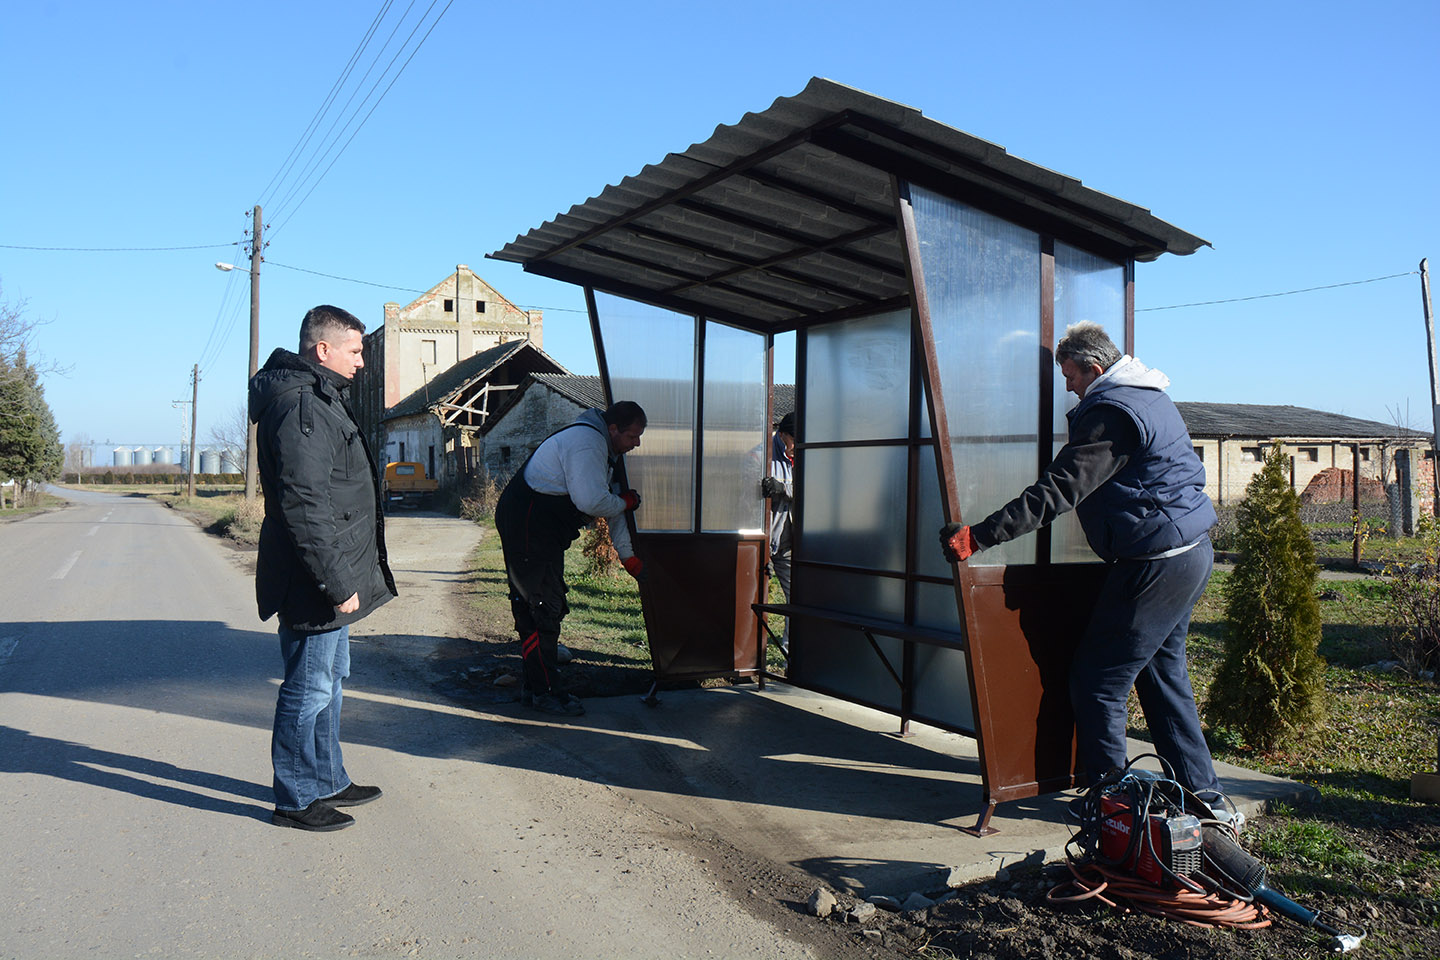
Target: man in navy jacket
[(322, 562), (1131, 474)]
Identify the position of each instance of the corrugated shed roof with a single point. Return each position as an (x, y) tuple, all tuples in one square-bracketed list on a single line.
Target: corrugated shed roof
[(788, 215), (1270, 421), (586, 391)]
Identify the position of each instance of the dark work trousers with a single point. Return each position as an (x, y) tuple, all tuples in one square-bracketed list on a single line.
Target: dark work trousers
[(1136, 637), (535, 529), (537, 601)]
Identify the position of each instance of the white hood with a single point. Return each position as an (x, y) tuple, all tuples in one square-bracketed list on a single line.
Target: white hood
[(1129, 372)]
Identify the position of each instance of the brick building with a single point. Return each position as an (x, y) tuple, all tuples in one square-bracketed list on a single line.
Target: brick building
[(424, 341)]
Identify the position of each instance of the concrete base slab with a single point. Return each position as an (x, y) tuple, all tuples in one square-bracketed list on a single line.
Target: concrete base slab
[(830, 787)]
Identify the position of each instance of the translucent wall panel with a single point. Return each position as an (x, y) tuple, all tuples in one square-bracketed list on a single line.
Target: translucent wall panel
[(1087, 289), (982, 280), (651, 356), (734, 446), (843, 592), (854, 507), (942, 677), (840, 660), (857, 379)]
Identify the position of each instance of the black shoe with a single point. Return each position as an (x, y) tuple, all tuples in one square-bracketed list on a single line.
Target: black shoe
[(354, 795), (559, 704), (318, 816)]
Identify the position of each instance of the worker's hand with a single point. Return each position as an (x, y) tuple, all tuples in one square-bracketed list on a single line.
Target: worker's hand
[(771, 487), (957, 542), (635, 567), (632, 500), (351, 605)]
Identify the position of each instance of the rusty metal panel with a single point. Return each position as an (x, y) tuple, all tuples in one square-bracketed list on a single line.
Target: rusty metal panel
[(1024, 624), (696, 599)]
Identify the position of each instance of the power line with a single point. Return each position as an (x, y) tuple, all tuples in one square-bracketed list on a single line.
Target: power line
[(387, 286), (1287, 293), (309, 131), (386, 91), (203, 246)]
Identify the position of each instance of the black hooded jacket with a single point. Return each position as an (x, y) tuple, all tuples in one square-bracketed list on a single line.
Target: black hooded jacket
[(323, 539)]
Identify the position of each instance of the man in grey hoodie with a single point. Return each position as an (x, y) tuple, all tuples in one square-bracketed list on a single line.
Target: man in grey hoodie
[(1131, 474)]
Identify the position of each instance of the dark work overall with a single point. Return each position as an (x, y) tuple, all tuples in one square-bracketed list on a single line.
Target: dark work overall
[(535, 528)]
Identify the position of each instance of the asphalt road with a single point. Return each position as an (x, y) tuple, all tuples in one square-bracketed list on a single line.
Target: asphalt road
[(136, 694)]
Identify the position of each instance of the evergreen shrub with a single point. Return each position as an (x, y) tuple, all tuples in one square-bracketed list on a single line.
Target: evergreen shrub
[(1270, 687)]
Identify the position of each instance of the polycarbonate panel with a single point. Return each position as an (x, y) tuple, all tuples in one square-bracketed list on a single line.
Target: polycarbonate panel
[(942, 675), (841, 661), (733, 450), (982, 281), (935, 607), (857, 379), (929, 518), (1018, 460), (854, 506), (839, 591), (1087, 289), (942, 686), (651, 356)]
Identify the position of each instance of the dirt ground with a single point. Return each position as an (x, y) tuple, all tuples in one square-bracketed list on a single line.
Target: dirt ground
[(1007, 919)]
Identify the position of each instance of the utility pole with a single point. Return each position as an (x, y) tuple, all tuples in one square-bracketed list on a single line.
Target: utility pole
[(180, 405), (194, 397), (1434, 384), (257, 248)]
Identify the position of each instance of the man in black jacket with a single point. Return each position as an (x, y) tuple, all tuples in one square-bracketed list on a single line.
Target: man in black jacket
[(322, 563)]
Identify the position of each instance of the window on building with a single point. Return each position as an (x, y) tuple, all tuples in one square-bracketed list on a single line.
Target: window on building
[(1364, 454), (1252, 454), (504, 454), (427, 351), (479, 306), (449, 306), (1200, 453), (1308, 454)]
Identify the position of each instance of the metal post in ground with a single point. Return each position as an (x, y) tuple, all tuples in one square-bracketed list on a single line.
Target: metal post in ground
[(1434, 384)]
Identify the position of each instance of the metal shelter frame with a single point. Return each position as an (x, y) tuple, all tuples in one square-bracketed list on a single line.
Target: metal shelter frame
[(803, 218)]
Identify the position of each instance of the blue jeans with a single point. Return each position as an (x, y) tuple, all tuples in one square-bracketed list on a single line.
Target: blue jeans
[(305, 742), (1136, 638)]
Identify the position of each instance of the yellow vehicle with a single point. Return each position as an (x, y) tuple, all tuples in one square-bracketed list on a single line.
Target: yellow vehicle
[(407, 485)]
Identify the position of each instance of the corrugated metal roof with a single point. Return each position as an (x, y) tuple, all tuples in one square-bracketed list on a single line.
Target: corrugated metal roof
[(586, 391), (1269, 421), (788, 216)]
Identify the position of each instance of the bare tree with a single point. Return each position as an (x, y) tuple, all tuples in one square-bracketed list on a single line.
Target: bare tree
[(230, 431)]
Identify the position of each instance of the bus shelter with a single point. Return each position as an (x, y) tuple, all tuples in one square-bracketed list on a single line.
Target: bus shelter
[(926, 274)]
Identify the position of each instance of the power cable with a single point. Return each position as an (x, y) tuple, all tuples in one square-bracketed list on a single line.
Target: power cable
[(398, 73), (387, 286), (1287, 293), (304, 141), (203, 246), (326, 143)]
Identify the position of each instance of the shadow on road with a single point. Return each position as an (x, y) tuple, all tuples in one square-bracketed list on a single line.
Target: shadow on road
[(25, 752)]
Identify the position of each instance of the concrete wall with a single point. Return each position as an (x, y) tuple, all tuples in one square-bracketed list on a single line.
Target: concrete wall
[(1230, 463), (539, 413)]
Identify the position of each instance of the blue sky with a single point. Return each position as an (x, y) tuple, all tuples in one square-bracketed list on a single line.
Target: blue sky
[(1298, 138)]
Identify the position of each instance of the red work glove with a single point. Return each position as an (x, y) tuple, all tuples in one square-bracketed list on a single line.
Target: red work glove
[(957, 542), (632, 500), (635, 567)]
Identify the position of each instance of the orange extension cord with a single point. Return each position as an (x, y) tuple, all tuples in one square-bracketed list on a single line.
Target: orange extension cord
[(1126, 891)]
